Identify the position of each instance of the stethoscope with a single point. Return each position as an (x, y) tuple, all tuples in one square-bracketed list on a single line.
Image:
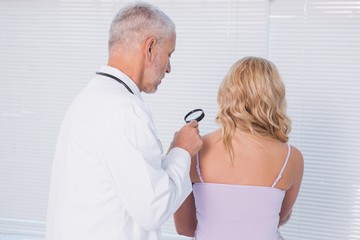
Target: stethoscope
[(117, 79), (196, 114)]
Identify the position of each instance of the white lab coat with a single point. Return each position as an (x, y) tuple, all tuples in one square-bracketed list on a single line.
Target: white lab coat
[(109, 179)]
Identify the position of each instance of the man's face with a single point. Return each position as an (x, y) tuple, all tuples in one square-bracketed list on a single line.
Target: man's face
[(160, 66)]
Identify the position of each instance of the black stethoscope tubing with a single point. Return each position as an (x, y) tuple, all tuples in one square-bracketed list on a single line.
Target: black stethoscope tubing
[(117, 79)]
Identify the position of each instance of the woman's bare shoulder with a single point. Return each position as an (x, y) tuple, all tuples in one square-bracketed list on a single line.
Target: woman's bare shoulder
[(297, 162), (212, 137), (296, 155)]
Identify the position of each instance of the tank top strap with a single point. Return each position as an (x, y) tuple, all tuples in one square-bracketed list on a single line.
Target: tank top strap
[(198, 167), (283, 168)]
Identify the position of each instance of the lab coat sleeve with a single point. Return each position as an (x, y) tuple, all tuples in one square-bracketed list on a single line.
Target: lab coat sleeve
[(150, 185)]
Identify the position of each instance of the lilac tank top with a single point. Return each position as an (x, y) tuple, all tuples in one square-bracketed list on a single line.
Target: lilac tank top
[(226, 211)]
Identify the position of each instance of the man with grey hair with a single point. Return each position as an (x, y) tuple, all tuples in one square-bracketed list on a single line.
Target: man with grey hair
[(110, 178)]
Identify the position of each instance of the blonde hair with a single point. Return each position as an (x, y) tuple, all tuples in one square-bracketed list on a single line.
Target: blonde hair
[(251, 98)]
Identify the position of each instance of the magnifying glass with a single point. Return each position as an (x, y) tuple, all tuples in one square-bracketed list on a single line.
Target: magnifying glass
[(196, 114)]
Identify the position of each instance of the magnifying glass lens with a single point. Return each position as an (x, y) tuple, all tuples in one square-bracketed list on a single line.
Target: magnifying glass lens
[(197, 114)]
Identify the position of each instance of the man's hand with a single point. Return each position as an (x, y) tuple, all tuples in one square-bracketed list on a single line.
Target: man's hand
[(188, 138)]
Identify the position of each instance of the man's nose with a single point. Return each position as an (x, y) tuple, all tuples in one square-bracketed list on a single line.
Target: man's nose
[(168, 69)]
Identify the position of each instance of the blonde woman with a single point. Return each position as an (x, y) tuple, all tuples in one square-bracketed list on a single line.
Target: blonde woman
[(246, 177)]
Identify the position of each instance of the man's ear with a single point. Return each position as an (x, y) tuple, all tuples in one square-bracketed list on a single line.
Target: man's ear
[(151, 48)]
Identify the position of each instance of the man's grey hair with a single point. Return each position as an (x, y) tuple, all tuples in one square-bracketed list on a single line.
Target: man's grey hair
[(138, 21)]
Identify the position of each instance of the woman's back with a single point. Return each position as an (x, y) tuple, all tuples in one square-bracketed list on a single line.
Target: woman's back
[(240, 200), (257, 161)]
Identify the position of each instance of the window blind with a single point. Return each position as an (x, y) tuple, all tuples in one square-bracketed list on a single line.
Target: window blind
[(316, 46), (50, 49)]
